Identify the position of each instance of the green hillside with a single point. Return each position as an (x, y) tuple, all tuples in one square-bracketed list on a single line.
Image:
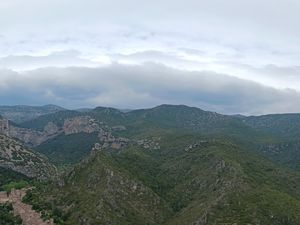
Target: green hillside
[(7, 176), (257, 133), (57, 118), (216, 182), (180, 166), (283, 126), (68, 149)]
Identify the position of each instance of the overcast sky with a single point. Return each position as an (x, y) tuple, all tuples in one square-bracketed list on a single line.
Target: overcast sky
[(229, 56)]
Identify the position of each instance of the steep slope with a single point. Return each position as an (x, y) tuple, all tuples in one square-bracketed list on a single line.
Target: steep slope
[(66, 136), (283, 126), (42, 129), (56, 118), (15, 157), (188, 180), (262, 134), (285, 146), (216, 182), (175, 117), (68, 149), (7, 176), (54, 130), (105, 194), (7, 216), (21, 113)]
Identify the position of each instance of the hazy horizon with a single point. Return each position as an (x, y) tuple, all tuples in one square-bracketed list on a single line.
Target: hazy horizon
[(151, 107)]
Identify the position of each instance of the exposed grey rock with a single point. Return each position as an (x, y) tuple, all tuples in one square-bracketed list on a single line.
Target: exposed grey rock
[(14, 156), (109, 141), (151, 144), (80, 124), (51, 128)]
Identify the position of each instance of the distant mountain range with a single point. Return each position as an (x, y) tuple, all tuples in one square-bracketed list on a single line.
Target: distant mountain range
[(171, 164), (21, 113)]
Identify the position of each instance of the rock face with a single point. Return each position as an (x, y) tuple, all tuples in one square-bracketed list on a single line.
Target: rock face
[(30, 137), (80, 124), (109, 141), (17, 158), (151, 144)]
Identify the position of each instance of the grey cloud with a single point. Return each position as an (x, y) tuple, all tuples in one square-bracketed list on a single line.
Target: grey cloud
[(144, 86)]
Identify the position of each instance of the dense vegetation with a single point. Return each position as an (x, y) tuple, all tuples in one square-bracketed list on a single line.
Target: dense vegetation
[(14, 185), (68, 149), (181, 166), (58, 118), (216, 181), (6, 215), (8, 176)]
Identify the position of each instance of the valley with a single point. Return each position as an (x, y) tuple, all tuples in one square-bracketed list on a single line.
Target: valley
[(168, 165)]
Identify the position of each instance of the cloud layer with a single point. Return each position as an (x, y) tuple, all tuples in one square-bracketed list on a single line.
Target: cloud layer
[(229, 56), (135, 86)]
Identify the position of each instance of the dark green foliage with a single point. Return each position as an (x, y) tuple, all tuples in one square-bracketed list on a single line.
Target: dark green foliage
[(285, 153), (6, 215), (68, 149), (14, 185), (205, 171), (217, 181), (48, 210), (8, 176), (215, 175), (283, 126), (99, 191)]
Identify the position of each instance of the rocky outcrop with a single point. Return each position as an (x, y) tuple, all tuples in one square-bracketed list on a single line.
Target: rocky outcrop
[(151, 144), (30, 137), (74, 125), (109, 141), (80, 124), (14, 156)]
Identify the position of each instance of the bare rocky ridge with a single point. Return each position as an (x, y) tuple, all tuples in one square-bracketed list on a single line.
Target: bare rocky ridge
[(14, 156)]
